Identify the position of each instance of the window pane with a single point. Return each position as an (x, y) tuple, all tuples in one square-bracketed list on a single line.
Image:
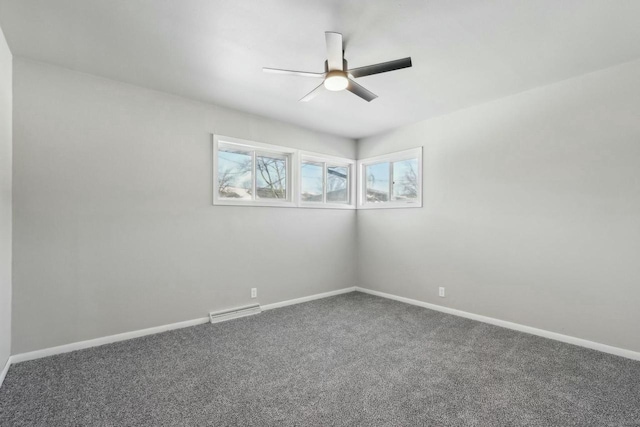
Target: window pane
[(271, 176), (377, 176), (312, 182), (234, 174), (405, 179), (337, 184)]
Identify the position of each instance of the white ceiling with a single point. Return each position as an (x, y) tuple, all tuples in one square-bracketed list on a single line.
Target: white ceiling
[(464, 52)]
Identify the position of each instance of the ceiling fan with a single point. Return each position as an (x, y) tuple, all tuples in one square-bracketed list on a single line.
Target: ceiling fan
[(337, 76)]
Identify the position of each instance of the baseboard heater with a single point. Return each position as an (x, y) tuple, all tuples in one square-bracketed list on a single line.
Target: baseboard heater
[(234, 313)]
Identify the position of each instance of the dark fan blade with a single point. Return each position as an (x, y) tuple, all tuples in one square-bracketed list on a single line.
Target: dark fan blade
[(313, 93), (383, 67), (334, 50), (293, 73), (360, 91)]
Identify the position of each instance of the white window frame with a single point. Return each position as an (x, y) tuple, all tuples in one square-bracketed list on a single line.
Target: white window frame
[(414, 153), (292, 172), (308, 156)]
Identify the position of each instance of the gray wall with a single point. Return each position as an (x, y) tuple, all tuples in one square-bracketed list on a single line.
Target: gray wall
[(531, 210), (113, 224), (5, 200)]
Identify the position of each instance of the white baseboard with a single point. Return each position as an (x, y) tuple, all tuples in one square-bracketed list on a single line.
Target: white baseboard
[(510, 325), (37, 354), (80, 345), (309, 298), (22, 357), (5, 370)]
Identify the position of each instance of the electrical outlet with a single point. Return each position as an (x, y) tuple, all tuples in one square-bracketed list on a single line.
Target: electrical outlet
[(254, 292), (441, 292)]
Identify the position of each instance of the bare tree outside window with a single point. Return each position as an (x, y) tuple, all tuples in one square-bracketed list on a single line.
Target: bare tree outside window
[(405, 179), (234, 174), (271, 179)]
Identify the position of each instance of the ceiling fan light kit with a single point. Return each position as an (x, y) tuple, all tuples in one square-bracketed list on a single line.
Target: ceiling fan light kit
[(338, 76), (336, 80)]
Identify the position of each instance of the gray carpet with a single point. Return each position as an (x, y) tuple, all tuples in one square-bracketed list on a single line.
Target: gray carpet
[(350, 360)]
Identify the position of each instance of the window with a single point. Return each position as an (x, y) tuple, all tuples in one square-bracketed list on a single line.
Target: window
[(247, 173), (391, 181), (326, 182), (251, 173)]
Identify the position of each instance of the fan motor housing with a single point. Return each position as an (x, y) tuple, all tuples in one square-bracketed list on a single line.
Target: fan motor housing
[(344, 65)]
